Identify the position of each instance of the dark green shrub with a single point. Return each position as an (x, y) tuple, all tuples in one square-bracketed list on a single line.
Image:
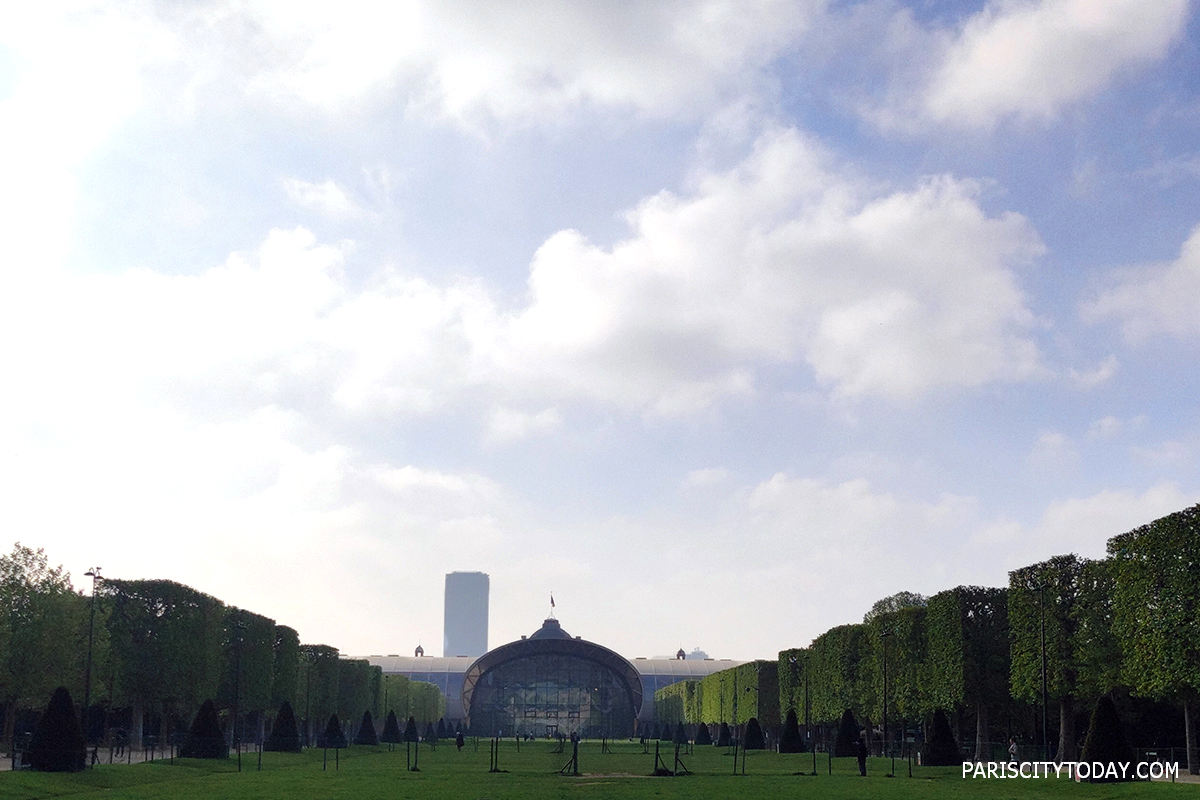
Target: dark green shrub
[(333, 736), (391, 730), (1106, 740), (723, 736), (58, 744), (754, 735), (790, 740), (205, 739), (846, 743), (366, 730), (681, 736), (285, 736), (431, 736), (703, 735), (441, 728), (410, 730), (941, 750)]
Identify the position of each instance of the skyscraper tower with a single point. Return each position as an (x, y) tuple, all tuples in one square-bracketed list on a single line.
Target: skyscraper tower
[(465, 631)]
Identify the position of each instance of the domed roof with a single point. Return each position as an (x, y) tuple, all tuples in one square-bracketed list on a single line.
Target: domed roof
[(550, 630)]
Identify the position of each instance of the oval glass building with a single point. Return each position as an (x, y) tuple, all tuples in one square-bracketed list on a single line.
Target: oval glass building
[(552, 683)]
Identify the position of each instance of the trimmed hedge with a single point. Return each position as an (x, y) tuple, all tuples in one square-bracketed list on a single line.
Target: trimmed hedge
[(205, 739), (58, 744), (941, 750), (285, 736)]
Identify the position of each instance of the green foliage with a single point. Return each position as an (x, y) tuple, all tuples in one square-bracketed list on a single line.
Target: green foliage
[(941, 750), (903, 633), (703, 734), (319, 680), (723, 737), (894, 603), (754, 735), (1156, 605), (1062, 578), (410, 730), (790, 740), (354, 687), (285, 736), (285, 683), (332, 736), (833, 660), (739, 693), (681, 736), (968, 656), (790, 668), (1106, 740), (248, 650), (366, 730), (678, 702), (391, 730), (166, 642), (204, 738), (58, 744), (846, 742), (43, 629)]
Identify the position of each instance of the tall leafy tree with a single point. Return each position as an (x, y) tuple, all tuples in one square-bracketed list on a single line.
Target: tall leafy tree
[(318, 683), (285, 682), (834, 671), (1077, 625), (166, 644), (43, 631), (968, 662), (1156, 613)]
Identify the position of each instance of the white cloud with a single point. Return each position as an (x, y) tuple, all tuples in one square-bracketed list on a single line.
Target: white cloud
[(506, 425), (1102, 374), (1154, 300), (326, 198), (1084, 525), (1053, 451), (1105, 428), (1029, 59)]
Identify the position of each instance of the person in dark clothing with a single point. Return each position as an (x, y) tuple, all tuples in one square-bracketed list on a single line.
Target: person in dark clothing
[(458, 740), (862, 756)]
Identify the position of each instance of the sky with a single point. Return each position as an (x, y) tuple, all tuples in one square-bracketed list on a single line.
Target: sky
[(719, 321)]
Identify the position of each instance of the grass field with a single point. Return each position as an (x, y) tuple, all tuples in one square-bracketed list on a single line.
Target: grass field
[(533, 773)]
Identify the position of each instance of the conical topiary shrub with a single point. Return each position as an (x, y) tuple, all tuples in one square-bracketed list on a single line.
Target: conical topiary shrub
[(58, 744), (285, 736), (391, 730), (790, 740), (205, 739), (703, 736), (333, 736), (754, 735), (366, 730), (941, 750), (441, 728), (723, 736), (846, 743), (410, 730), (681, 736), (431, 736), (1106, 740), (665, 733)]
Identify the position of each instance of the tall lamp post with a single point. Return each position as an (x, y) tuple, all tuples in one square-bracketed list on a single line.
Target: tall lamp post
[(1041, 588), (94, 574), (885, 636)]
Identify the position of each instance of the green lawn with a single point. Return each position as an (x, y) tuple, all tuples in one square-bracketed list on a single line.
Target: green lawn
[(533, 773)]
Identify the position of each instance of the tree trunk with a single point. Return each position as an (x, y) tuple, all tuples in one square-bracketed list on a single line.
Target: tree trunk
[(137, 719), (1067, 750), (1193, 752), (982, 751)]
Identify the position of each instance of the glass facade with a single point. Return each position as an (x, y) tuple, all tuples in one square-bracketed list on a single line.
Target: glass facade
[(545, 694)]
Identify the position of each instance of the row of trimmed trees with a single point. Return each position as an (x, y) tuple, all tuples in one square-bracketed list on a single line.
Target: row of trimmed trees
[(160, 649), (1127, 625)]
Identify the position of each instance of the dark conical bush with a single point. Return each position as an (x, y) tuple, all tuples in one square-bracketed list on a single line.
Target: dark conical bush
[(1106, 740), (391, 730), (366, 730), (846, 743), (790, 740), (665, 733), (333, 736), (754, 735), (723, 736), (681, 736), (431, 736), (410, 730), (285, 736), (205, 739), (941, 750), (58, 744), (703, 736), (442, 731)]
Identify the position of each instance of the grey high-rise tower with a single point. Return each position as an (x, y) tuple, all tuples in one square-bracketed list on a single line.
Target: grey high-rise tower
[(465, 631)]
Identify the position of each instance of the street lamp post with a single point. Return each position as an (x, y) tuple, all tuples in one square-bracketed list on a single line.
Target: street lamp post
[(94, 574), (1041, 587), (885, 636)]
